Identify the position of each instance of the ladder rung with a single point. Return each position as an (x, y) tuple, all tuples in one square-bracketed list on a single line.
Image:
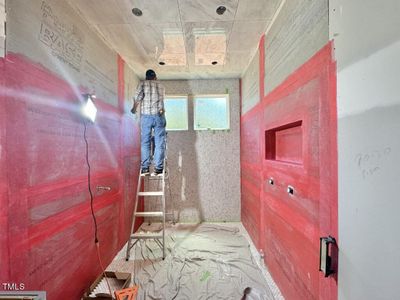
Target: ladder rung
[(144, 235), (158, 176), (158, 193), (149, 214)]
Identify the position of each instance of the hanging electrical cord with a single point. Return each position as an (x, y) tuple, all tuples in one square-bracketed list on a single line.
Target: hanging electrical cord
[(96, 239)]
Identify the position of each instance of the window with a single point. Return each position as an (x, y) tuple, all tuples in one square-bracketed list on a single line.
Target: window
[(176, 112), (211, 112)]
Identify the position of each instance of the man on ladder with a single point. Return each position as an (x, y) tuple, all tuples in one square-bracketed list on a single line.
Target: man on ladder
[(150, 96)]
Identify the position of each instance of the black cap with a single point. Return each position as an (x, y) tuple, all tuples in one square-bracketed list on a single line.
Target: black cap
[(150, 75)]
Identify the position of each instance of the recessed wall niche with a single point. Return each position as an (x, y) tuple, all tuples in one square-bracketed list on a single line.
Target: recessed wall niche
[(285, 143)]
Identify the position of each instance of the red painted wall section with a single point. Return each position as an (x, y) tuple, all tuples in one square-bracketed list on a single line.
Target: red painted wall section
[(291, 134), (328, 209), (4, 255), (49, 244)]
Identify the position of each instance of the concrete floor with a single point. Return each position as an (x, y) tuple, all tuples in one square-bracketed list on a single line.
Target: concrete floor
[(181, 232)]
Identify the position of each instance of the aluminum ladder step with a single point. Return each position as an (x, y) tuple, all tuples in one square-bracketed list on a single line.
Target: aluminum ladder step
[(147, 194), (144, 235), (149, 214), (149, 176)]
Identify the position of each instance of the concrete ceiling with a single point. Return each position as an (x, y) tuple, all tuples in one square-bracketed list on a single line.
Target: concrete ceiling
[(187, 35)]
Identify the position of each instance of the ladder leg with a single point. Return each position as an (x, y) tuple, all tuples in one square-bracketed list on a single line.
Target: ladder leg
[(168, 187), (163, 209), (138, 188)]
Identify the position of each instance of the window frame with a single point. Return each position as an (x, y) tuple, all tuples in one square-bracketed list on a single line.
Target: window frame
[(178, 96), (226, 96)]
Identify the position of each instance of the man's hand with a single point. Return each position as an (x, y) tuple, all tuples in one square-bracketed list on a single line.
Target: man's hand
[(133, 110)]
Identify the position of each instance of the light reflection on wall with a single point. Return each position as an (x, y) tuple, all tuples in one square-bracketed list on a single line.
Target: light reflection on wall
[(210, 46)]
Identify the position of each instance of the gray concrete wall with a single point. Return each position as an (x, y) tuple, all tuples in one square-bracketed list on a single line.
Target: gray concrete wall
[(251, 84), (130, 84), (52, 34), (2, 27), (205, 165), (299, 31), (367, 41)]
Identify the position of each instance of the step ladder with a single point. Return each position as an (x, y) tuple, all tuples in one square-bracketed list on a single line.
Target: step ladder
[(161, 179), (159, 238)]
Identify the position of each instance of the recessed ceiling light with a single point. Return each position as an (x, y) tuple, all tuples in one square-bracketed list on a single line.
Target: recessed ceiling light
[(214, 62), (221, 10), (137, 12), (161, 63)]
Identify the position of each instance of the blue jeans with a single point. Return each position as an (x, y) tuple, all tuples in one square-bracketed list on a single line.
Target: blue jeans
[(147, 124)]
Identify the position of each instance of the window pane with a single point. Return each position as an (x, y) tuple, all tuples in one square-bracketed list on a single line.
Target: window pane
[(176, 113), (211, 112)]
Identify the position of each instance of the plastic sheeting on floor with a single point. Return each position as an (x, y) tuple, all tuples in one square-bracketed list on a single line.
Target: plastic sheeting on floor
[(205, 261)]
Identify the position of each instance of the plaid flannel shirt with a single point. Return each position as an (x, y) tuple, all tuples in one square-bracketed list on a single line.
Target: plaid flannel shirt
[(150, 94)]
